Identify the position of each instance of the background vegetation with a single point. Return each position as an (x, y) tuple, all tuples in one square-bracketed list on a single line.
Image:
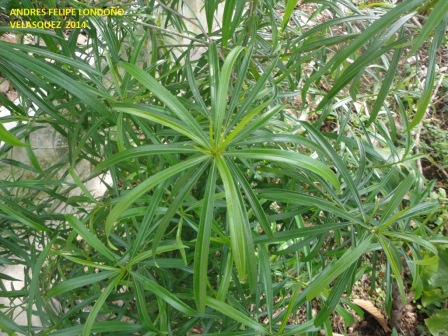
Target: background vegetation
[(261, 173)]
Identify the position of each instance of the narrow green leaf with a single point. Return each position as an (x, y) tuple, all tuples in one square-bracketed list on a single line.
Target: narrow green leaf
[(252, 198), (75, 63), (294, 197), (241, 73), (281, 139), (156, 114), (387, 83), (296, 288), (394, 260), (147, 222), (77, 282), (113, 72), (163, 293), (53, 74), (145, 186), (416, 210), (17, 216), (397, 198), (435, 19), (34, 291), (321, 282), (225, 275), (237, 16), (120, 135), (200, 278), (368, 34), (302, 232), (426, 95), (213, 61), (339, 164), (241, 125), (438, 240), (136, 152), (140, 301), (23, 86), (329, 41), (219, 109), (8, 325), (249, 124), (210, 7), (292, 158), (90, 238), (333, 299), (234, 314), (92, 264), (187, 181), (239, 238), (333, 22), (35, 162), (87, 329), (160, 249), (358, 67), (10, 139), (229, 8), (81, 185), (167, 98), (194, 89), (412, 239), (308, 326), (101, 327), (252, 96), (266, 279), (290, 5)]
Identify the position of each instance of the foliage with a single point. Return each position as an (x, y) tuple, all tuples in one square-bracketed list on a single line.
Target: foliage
[(433, 291), (438, 140), (253, 166), (437, 322)]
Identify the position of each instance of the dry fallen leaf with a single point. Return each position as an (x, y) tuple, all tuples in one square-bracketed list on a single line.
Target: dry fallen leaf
[(375, 312)]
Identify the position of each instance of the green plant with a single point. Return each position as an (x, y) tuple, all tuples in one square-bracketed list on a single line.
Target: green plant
[(226, 213), (437, 144), (433, 293)]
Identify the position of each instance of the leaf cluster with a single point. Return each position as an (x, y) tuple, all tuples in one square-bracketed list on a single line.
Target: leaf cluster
[(250, 168)]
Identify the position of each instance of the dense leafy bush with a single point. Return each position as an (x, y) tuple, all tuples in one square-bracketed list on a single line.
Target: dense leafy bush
[(254, 166)]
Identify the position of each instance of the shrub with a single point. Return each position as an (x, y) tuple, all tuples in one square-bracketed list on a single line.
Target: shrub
[(246, 182)]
